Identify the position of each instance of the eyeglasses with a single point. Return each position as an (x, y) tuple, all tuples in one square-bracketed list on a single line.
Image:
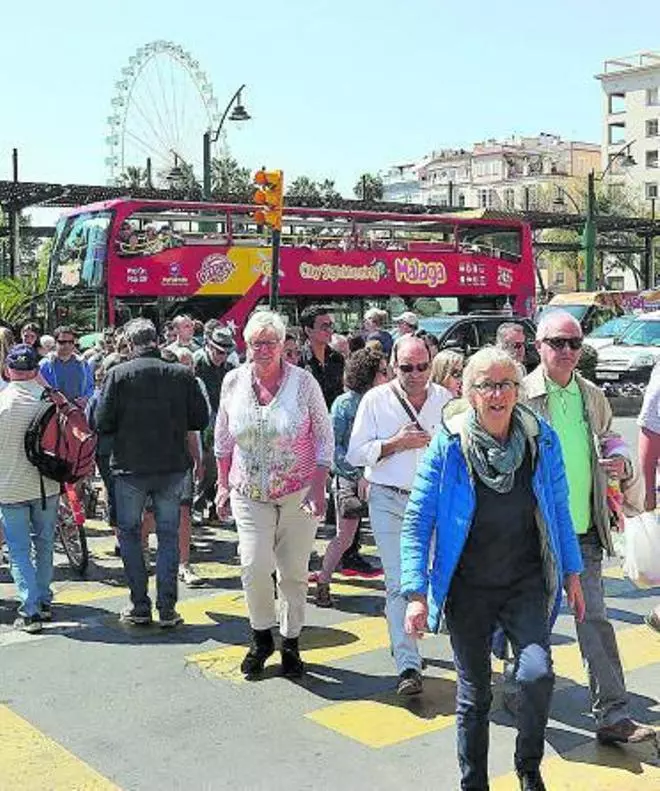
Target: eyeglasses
[(514, 345), (456, 374), (488, 387), (65, 342), (408, 368), (290, 353), (326, 325), (263, 344), (561, 343)]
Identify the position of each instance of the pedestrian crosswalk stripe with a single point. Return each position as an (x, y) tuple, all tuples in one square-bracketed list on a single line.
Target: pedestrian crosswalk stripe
[(31, 761), (318, 645), (81, 594), (387, 719), (595, 767)]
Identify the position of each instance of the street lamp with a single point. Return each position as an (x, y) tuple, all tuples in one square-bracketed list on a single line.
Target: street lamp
[(239, 113), (589, 233), (562, 193)]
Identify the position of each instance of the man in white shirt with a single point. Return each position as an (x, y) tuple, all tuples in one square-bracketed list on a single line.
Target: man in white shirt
[(393, 426), (29, 525)]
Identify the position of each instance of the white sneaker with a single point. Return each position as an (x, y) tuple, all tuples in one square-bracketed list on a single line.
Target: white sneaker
[(188, 576)]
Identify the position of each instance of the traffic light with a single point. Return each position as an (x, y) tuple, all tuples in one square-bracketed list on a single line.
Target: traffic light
[(269, 197)]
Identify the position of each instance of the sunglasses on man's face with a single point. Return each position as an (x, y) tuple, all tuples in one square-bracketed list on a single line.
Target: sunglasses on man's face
[(561, 343), (408, 368), (65, 342), (514, 345)]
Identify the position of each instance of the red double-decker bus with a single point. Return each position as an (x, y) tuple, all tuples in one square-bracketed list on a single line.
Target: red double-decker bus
[(123, 258)]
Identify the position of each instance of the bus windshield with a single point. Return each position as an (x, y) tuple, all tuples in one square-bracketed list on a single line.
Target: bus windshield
[(80, 249)]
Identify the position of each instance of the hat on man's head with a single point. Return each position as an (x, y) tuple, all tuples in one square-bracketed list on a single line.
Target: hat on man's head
[(22, 357), (221, 338), (409, 317)]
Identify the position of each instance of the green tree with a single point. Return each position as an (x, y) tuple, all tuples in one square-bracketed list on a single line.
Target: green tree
[(230, 181), (330, 197), (22, 297), (303, 191), (133, 178), (369, 188)]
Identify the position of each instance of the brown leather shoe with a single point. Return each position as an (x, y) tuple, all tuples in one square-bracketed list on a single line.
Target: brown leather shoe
[(625, 731)]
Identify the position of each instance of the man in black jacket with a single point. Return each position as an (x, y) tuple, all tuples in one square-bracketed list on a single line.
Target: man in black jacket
[(149, 406)]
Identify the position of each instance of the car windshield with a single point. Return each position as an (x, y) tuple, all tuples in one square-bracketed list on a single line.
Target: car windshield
[(613, 327), (641, 332), (437, 325)]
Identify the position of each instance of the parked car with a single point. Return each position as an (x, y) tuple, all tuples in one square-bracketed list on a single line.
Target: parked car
[(605, 334), (630, 359), (467, 333)]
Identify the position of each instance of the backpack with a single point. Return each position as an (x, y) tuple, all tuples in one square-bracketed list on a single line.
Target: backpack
[(59, 441)]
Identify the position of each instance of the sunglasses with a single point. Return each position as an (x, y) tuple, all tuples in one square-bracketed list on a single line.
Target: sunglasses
[(408, 368), (65, 342), (561, 343), (490, 388), (515, 345)]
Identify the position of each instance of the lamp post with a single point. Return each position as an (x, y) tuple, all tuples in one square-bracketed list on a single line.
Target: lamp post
[(239, 113), (590, 225)]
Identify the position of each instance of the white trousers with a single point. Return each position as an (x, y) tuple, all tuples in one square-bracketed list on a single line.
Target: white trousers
[(274, 536), (386, 510)]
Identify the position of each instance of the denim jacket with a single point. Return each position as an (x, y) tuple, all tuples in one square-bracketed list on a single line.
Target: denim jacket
[(442, 502), (343, 413)]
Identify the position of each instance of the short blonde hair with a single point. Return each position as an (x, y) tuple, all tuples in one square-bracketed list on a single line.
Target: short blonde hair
[(483, 360), (378, 316), (261, 320), (444, 363)]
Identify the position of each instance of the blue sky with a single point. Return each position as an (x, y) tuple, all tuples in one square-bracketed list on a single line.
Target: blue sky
[(334, 88)]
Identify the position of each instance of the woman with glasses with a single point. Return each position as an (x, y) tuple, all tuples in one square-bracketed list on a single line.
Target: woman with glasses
[(447, 371), (364, 369), (274, 447), (492, 490)]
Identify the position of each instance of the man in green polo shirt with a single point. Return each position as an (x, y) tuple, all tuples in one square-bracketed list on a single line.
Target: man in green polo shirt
[(580, 414)]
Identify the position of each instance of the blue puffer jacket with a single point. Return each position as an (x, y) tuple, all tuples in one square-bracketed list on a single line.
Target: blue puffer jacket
[(442, 501)]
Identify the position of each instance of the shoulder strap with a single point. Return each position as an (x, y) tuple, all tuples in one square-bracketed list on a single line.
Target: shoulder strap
[(408, 408)]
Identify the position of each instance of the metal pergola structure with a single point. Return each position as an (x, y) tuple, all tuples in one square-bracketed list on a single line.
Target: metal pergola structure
[(15, 196)]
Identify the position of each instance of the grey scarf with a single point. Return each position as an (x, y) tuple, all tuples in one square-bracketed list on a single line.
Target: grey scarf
[(496, 463)]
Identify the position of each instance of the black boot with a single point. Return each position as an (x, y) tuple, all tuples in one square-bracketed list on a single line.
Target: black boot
[(292, 664), (531, 781), (262, 647)]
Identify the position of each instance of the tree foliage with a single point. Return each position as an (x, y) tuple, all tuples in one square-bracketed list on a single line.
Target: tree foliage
[(230, 181), (21, 298), (369, 188)]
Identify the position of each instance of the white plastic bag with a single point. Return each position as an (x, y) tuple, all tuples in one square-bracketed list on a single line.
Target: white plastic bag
[(642, 549)]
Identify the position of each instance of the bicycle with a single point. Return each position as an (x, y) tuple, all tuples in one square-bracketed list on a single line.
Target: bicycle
[(70, 529)]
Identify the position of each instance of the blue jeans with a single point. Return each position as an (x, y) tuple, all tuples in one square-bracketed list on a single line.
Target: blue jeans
[(472, 614), (27, 526), (131, 492)]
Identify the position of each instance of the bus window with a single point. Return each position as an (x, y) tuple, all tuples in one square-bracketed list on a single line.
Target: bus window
[(80, 250), (493, 241)]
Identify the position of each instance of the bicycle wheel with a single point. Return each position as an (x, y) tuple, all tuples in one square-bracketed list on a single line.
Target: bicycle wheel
[(73, 537)]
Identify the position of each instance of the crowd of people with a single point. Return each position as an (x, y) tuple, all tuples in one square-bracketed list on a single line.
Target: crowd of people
[(486, 489)]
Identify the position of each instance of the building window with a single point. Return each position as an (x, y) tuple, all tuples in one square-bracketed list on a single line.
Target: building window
[(509, 199), (560, 277), (652, 128), (652, 97), (616, 103), (651, 189), (616, 283), (652, 159), (461, 199), (484, 197), (616, 134)]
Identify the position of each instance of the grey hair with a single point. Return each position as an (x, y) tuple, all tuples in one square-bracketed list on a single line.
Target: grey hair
[(378, 316), (552, 317), (485, 358), (504, 329), (141, 333), (444, 363), (261, 320)]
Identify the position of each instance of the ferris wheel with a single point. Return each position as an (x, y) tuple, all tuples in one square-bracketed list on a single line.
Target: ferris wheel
[(161, 107)]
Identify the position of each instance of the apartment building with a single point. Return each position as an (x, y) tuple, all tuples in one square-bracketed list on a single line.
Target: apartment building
[(631, 118), (518, 173)]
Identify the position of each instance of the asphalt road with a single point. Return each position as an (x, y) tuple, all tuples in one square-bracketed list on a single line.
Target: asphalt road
[(90, 704)]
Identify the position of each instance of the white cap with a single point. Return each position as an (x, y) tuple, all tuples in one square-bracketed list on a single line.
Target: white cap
[(409, 317)]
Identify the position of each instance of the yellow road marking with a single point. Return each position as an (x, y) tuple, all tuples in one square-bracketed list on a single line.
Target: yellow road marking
[(318, 645), (81, 594), (598, 768), (387, 719), (613, 572), (30, 761)]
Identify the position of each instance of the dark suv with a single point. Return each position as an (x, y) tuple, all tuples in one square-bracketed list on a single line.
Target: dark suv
[(475, 330)]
